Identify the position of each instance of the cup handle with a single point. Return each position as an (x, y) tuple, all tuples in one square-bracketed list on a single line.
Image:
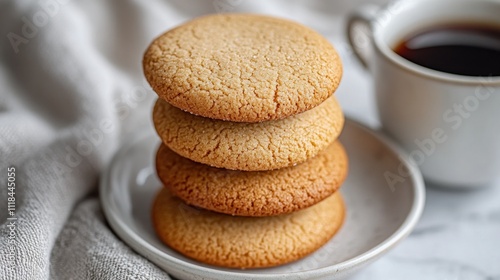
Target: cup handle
[(359, 32)]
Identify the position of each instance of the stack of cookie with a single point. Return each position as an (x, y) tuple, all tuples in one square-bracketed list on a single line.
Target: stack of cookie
[(249, 160)]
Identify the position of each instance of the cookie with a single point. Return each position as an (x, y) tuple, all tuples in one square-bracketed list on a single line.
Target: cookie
[(245, 242), (260, 193), (242, 68), (249, 146)]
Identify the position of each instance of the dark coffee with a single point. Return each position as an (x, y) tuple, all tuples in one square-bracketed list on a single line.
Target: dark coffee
[(463, 49)]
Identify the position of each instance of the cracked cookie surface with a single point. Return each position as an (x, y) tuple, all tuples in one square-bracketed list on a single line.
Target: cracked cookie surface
[(249, 146), (245, 242), (259, 193), (242, 68)]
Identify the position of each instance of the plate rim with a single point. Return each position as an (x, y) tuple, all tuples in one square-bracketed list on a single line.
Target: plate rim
[(144, 248)]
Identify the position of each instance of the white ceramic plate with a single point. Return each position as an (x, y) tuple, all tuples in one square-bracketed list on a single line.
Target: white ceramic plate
[(379, 214)]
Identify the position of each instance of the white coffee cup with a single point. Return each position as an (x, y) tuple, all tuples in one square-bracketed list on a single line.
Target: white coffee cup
[(449, 124)]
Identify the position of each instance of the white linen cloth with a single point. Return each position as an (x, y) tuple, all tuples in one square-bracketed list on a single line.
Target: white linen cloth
[(71, 92)]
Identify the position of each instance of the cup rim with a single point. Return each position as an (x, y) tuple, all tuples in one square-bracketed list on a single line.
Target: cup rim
[(384, 49)]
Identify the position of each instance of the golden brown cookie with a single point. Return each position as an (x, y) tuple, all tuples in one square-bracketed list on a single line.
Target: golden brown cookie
[(249, 146), (242, 68), (260, 193), (245, 242)]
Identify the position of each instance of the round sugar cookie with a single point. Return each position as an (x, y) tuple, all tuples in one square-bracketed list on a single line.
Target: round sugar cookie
[(242, 68), (259, 193), (245, 242), (249, 146)]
